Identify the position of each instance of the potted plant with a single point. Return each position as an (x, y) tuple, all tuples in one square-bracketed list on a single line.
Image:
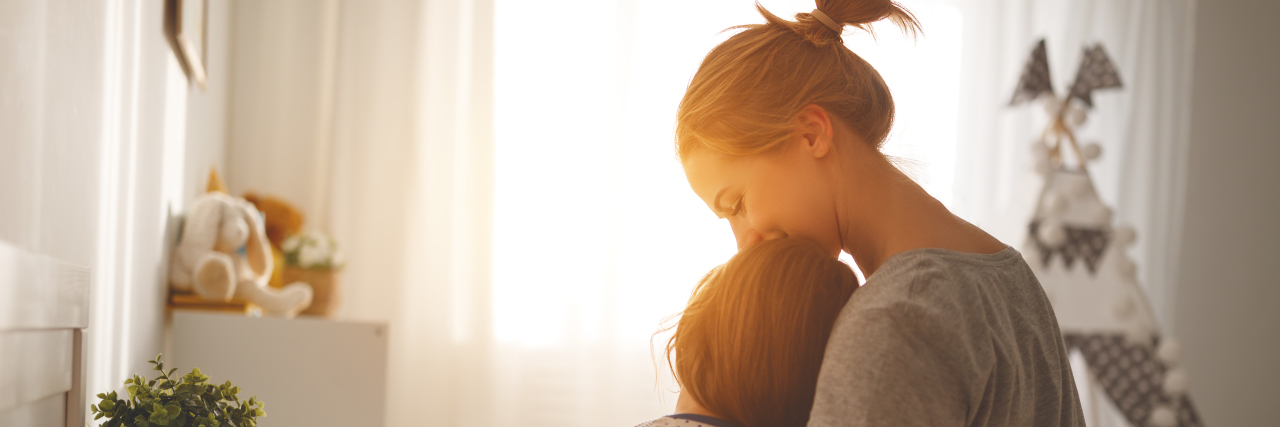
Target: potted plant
[(189, 401), (313, 257)]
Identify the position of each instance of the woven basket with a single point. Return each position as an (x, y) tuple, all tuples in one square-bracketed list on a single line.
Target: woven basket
[(326, 288)]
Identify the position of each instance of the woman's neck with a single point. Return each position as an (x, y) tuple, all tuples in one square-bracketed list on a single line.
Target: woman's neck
[(687, 405), (886, 213)]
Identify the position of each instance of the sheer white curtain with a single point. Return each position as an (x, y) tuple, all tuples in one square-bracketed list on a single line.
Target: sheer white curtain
[(375, 117), (597, 236), (411, 195)]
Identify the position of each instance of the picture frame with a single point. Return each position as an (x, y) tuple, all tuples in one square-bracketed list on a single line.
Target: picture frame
[(186, 28)]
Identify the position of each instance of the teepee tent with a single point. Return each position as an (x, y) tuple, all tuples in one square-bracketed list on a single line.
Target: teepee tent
[(1079, 257)]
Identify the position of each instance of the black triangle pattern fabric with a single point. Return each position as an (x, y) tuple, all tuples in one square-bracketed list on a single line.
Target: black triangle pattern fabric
[(1035, 77), (1132, 377), (1096, 72), (1085, 244)]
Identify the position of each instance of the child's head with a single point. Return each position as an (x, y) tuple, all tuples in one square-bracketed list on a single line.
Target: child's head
[(750, 343)]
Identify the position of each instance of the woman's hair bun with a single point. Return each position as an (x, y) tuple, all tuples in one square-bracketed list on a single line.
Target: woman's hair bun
[(857, 13), (746, 94)]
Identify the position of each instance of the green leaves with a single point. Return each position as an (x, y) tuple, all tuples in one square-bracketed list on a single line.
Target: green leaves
[(195, 377), (177, 402), (163, 414)]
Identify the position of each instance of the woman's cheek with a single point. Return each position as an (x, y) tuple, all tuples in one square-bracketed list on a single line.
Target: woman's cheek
[(808, 220)]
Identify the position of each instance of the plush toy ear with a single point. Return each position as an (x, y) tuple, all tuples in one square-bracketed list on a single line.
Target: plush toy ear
[(199, 236), (257, 250)]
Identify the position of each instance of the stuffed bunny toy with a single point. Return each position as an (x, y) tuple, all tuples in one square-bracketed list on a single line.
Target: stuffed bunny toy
[(224, 253)]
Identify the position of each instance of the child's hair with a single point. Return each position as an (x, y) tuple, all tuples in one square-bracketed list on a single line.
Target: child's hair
[(749, 89), (749, 345)]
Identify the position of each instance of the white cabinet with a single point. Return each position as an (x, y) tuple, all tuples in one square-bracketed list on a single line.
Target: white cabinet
[(309, 371)]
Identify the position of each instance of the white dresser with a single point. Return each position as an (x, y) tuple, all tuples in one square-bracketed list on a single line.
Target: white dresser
[(309, 371)]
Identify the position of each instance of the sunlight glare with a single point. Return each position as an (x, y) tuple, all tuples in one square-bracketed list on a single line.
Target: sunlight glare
[(597, 234)]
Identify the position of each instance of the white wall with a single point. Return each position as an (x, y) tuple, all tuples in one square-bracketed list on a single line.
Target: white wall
[(1228, 317), (207, 110), (103, 142)]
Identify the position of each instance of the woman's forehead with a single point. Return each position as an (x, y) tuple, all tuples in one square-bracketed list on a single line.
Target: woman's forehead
[(709, 173)]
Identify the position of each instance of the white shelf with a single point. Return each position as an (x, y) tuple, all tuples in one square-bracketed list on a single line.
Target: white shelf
[(309, 371)]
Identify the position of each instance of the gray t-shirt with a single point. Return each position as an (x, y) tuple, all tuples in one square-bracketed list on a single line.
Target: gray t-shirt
[(944, 338)]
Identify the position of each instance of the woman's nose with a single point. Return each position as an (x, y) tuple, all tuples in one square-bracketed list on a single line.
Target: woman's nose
[(748, 237)]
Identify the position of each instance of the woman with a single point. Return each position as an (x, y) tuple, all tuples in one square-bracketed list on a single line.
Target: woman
[(748, 348), (779, 132)]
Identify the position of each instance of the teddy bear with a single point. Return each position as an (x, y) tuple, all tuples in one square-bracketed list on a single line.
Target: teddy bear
[(224, 253), (282, 218)]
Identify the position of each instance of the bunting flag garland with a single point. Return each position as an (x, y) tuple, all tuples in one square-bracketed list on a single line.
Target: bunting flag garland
[(1035, 77), (1084, 243), (1096, 72), (1135, 379)]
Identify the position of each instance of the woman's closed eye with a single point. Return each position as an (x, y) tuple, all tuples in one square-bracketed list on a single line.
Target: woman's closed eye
[(721, 211)]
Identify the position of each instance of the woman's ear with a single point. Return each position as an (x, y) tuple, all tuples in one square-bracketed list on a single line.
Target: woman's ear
[(816, 130)]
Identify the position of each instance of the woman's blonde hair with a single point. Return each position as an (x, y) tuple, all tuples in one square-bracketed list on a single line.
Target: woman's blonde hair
[(749, 345), (749, 90)]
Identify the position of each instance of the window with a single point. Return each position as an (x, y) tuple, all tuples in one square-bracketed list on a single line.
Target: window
[(597, 234)]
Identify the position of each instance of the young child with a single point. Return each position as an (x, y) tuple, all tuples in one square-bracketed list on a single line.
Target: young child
[(748, 347)]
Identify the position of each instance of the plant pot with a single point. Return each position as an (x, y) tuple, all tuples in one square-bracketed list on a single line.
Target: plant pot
[(326, 288)]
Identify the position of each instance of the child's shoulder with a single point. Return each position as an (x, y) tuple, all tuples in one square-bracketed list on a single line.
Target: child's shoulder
[(687, 420)]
